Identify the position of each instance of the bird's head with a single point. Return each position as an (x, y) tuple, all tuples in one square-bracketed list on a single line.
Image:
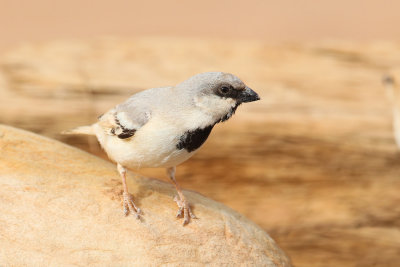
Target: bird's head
[(219, 93)]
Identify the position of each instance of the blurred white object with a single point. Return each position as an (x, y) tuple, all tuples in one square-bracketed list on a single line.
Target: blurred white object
[(393, 94)]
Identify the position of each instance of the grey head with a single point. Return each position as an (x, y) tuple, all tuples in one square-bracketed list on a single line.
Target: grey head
[(217, 93)]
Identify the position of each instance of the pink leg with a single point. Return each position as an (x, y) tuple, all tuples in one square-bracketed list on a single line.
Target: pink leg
[(129, 205), (184, 207)]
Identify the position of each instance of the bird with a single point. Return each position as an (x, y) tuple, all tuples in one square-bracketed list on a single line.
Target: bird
[(163, 127)]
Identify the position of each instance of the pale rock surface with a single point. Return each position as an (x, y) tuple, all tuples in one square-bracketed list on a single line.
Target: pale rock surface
[(60, 206)]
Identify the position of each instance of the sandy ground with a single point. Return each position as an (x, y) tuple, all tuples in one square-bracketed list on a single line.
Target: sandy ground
[(314, 163)]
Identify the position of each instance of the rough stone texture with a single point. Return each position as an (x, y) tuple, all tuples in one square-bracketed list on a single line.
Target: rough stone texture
[(60, 206), (314, 163)]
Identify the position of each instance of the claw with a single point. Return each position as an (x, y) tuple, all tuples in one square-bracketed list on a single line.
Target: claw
[(184, 210), (179, 213), (129, 206), (126, 210), (192, 215), (138, 211), (186, 216)]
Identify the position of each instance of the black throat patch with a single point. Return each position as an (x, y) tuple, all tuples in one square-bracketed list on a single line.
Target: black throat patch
[(229, 114), (192, 140)]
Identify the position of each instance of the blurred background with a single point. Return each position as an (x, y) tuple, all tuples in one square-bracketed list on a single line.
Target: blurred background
[(314, 163)]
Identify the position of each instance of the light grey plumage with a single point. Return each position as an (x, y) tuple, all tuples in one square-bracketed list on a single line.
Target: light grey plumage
[(162, 127)]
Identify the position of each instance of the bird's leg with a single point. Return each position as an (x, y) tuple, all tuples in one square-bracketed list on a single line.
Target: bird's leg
[(184, 207), (129, 205)]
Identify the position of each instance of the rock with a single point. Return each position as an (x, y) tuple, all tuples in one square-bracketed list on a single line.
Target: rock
[(61, 206)]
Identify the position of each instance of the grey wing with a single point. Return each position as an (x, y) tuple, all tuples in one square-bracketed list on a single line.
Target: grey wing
[(128, 117), (124, 120)]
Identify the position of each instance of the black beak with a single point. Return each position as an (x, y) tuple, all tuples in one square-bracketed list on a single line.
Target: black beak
[(248, 95)]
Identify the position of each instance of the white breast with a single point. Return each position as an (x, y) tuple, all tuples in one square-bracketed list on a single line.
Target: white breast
[(153, 145)]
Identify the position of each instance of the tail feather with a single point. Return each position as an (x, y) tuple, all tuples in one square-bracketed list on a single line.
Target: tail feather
[(87, 130)]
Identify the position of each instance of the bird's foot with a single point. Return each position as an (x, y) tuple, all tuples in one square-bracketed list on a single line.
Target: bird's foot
[(129, 206), (184, 210)]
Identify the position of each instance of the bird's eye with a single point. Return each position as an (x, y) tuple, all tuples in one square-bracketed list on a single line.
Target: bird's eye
[(224, 90)]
